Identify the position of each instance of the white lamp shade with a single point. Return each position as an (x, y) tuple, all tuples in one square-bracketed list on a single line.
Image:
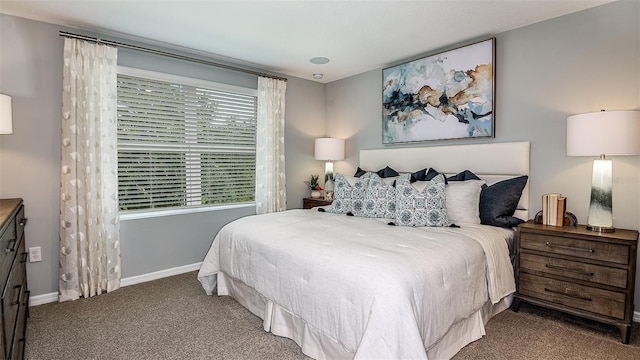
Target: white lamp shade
[(6, 122), (329, 149), (604, 133)]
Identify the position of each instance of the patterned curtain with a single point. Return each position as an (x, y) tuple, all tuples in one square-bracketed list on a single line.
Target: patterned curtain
[(89, 228), (270, 177)]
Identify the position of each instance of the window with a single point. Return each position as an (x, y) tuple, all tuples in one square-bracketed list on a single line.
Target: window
[(184, 142)]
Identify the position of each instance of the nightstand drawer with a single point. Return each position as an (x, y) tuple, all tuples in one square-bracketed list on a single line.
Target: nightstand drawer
[(582, 248), (574, 269), (599, 301)]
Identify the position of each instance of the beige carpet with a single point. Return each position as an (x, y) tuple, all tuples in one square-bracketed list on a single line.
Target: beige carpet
[(172, 318)]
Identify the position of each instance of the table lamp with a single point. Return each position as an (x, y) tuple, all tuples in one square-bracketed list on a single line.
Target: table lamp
[(599, 134), (329, 150)]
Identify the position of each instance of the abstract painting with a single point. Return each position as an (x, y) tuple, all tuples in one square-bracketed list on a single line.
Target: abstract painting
[(449, 95)]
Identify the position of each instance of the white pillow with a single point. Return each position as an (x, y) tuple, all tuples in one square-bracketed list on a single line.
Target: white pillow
[(463, 201)]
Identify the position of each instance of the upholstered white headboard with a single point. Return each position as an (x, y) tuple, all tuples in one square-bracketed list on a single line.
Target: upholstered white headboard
[(490, 161)]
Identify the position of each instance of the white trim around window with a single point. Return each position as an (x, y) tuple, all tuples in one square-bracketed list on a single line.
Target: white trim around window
[(213, 140)]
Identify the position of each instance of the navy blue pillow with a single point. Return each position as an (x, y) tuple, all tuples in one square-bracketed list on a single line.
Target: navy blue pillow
[(387, 172), (425, 174), (418, 175), (499, 201), (463, 176)]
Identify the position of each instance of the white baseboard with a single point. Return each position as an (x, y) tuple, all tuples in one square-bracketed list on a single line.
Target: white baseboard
[(43, 299), (159, 274), (53, 297)]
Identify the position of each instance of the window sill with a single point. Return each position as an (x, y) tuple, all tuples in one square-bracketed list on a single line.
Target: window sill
[(145, 214)]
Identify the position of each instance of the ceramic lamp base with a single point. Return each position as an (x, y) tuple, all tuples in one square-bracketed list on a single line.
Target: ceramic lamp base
[(601, 204)]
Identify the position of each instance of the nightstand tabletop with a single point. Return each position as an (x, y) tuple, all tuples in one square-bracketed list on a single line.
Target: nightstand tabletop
[(581, 230), (308, 202)]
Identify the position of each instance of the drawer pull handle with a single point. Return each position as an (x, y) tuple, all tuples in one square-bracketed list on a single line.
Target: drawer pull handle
[(10, 247), (570, 248), (27, 295), (577, 271), (23, 222), (24, 257), (17, 291), (568, 295)]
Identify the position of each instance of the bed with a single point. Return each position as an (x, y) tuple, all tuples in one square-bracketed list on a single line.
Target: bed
[(352, 287)]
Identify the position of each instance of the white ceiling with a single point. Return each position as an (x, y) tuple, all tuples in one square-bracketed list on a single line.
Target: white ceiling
[(282, 36)]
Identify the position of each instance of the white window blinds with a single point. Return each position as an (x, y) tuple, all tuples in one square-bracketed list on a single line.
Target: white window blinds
[(182, 145)]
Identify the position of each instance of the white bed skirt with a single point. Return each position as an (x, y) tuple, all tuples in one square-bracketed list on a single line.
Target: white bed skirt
[(281, 322)]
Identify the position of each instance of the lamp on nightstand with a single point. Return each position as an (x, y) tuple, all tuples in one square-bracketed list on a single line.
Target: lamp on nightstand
[(599, 134), (6, 120), (329, 150)]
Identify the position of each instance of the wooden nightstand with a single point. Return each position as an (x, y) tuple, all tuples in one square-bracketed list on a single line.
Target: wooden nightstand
[(577, 271), (308, 203)]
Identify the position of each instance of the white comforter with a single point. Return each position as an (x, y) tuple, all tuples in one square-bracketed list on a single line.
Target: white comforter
[(381, 291)]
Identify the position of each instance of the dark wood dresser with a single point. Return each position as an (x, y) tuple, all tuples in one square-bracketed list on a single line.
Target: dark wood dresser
[(578, 271), (14, 304)]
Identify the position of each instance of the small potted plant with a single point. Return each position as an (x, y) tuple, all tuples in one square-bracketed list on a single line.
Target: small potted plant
[(314, 186)]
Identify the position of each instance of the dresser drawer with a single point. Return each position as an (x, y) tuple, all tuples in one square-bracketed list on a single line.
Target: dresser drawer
[(574, 269), (8, 246), (594, 250), (19, 337), (599, 301), (21, 222), (11, 296)]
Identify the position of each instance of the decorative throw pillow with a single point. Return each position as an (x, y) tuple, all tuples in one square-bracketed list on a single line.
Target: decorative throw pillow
[(359, 172), (379, 198), (463, 176), (425, 207), (349, 194), (425, 174), (383, 173), (463, 201), (499, 202), (419, 175)]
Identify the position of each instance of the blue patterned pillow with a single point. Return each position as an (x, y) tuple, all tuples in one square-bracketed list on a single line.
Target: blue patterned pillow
[(349, 195), (425, 207), (379, 198)]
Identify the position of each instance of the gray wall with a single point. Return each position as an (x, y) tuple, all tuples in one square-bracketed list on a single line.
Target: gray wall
[(31, 72), (577, 63)]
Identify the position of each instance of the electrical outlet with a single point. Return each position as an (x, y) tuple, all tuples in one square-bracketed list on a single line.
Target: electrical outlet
[(35, 254)]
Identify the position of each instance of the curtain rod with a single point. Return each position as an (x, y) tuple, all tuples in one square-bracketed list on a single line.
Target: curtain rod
[(167, 54)]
